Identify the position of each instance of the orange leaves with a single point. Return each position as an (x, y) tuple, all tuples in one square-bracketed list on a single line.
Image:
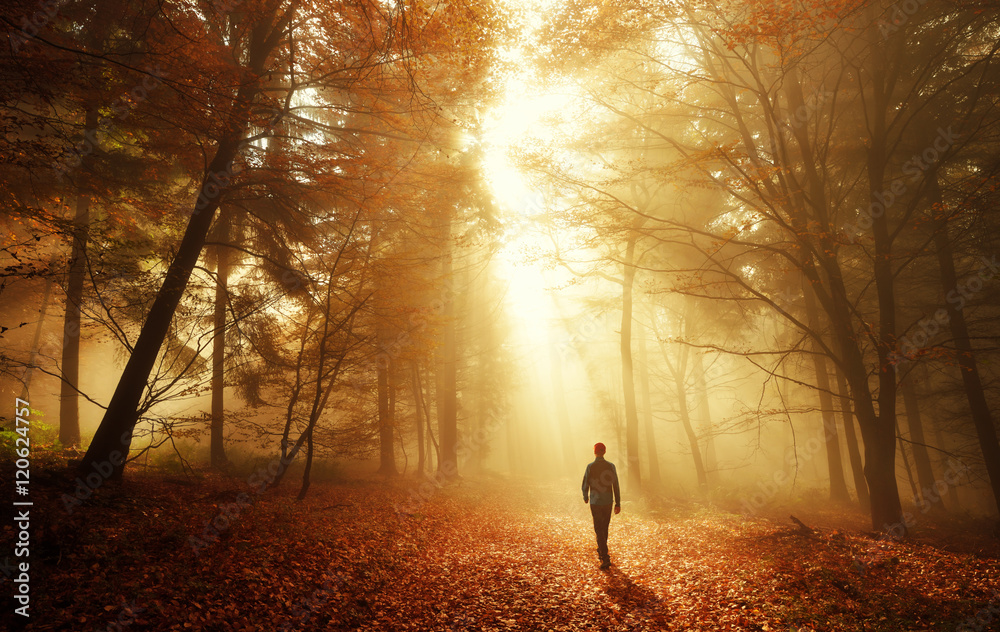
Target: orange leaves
[(344, 559)]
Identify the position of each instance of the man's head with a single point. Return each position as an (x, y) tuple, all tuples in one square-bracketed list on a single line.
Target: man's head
[(599, 449)]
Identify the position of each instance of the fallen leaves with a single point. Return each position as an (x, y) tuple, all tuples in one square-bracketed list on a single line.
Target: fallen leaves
[(474, 560)]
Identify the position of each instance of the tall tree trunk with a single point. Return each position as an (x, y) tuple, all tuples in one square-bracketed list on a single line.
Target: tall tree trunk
[(880, 448), (447, 374), (36, 340), (835, 465), (307, 470), (218, 448), (877, 428), (69, 407), (110, 445), (953, 499), (114, 436), (489, 363), (921, 457), (679, 371), (427, 398), (513, 446), (853, 452), (562, 410), (418, 401), (647, 413), (968, 367), (69, 396), (628, 381), (386, 414), (683, 409), (705, 416), (906, 467)]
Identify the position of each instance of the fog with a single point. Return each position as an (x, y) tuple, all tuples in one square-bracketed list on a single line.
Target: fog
[(757, 269)]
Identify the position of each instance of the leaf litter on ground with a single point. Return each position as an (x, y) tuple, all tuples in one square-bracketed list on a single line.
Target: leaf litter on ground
[(475, 555)]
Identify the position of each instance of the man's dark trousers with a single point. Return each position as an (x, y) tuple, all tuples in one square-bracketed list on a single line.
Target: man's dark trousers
[(602, 518)]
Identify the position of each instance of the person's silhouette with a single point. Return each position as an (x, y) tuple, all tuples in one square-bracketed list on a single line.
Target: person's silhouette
[(599, 482)]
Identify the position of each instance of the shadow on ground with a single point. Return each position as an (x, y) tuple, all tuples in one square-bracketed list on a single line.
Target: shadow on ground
[(638, 606)]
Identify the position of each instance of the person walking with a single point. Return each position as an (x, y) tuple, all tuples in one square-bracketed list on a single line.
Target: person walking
[(600, 480)]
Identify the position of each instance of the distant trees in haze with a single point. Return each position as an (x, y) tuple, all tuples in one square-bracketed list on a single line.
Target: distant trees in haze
[(798, 150), (285, 201), (328, 134)]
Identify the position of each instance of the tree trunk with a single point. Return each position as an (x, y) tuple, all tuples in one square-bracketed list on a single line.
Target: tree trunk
[(682, 404), (914, 490), (426, 397), (447, 373), (647, 414), (877, 429), (218, 448), (36, 340), (113, 438), (921, 457), (880, 438), (969, 368), (954, 502), (628, 381), (562, 410), (835, 465), (705, 415), (513, 446), (69, 395), (386, 415), (110, 445), (307, 470), (418, 401), (679, 371), (880, 472), (853, 453)]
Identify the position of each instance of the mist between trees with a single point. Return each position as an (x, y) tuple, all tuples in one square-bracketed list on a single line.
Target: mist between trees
[(256, 232)]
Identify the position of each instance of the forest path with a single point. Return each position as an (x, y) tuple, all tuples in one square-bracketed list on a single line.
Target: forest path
[(472, 555), (524, 557), (517, 556)]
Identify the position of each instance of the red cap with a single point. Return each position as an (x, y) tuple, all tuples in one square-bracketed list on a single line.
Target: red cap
[(599, 448)]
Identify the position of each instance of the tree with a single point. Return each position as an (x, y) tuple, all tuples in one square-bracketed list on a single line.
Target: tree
[(258, 45)]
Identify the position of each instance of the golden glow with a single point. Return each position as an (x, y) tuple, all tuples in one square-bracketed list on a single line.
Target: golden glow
[(518, 120)]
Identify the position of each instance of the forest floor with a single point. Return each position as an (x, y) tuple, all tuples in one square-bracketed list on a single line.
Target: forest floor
[(476, 555)]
